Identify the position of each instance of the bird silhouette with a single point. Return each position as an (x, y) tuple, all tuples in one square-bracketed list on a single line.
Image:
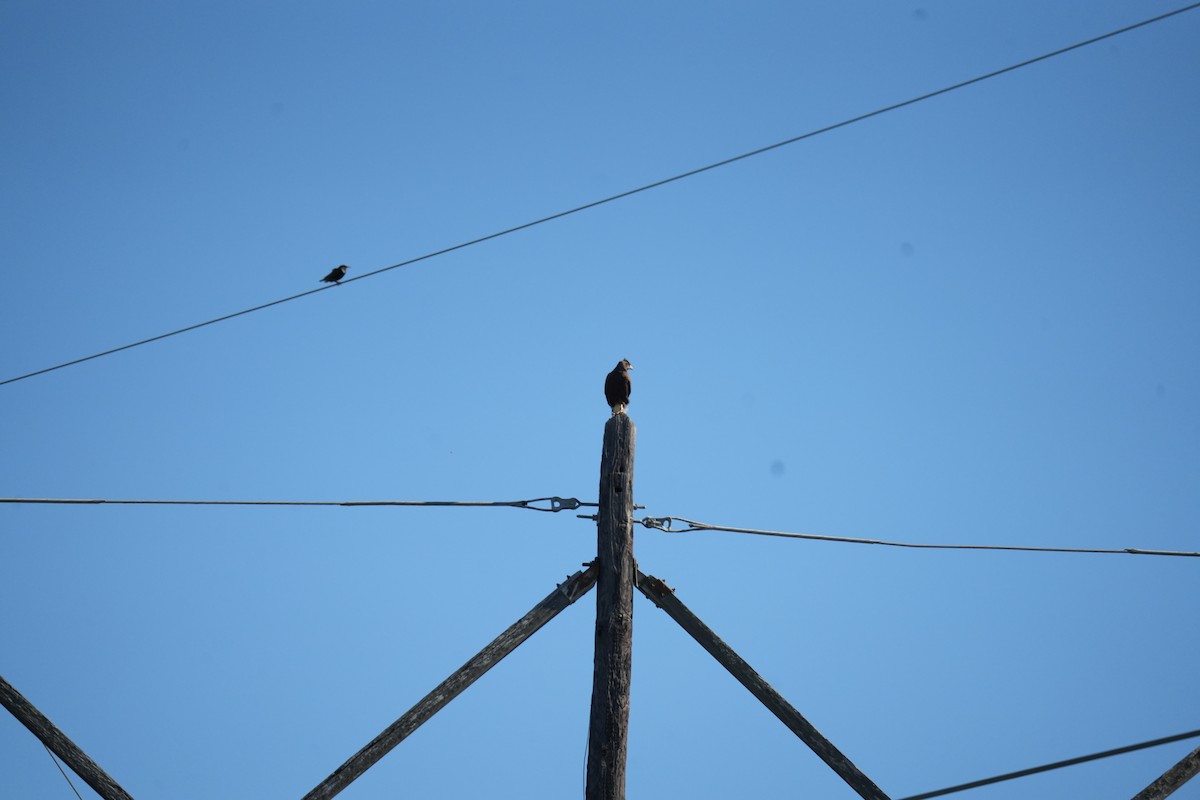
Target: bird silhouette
[(617, 386), (335, 275)]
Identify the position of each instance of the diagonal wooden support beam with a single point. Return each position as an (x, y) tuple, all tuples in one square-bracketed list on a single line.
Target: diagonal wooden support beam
[(567, 593), (1172, 779), (59, 744), (664, 597)]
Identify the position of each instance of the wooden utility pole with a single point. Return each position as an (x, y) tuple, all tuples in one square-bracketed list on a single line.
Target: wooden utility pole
[(663, 597), (59, 744), (567, 593), (608, 729)]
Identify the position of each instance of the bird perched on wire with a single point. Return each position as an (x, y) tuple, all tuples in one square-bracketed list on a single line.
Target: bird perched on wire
[(617, 387), (335, 275)]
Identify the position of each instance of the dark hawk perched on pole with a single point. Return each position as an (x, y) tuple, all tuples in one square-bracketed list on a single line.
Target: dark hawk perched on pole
[(335, 275), (617, 387)]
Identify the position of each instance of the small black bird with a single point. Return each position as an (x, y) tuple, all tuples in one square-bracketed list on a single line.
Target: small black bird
[(335, 275), (617, 387)]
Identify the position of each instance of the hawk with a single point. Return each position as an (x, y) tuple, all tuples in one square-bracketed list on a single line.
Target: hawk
[(335, 275), (617, 387)]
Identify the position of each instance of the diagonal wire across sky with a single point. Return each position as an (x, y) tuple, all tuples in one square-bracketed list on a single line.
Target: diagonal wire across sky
[(630, 192)]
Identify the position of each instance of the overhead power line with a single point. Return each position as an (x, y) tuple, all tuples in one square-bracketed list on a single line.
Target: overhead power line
[(553, 504), (630, 192), (1070, 762), (556, 504), (63, 771), (667, 524)]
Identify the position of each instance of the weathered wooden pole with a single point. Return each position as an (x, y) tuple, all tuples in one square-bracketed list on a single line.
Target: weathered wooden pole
[(59, 744), (664, 597), (567, 593), (1172, 779), (608, 730)]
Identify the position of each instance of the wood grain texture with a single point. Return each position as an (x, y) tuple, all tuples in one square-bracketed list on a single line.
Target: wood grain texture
[(59, 744), (567, 593), (1172, 779), (664, 597), (608, 728)]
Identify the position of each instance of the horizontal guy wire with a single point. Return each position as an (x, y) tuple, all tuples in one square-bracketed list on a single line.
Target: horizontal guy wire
[(631, 192), (1070, 762), (665, 524), (555, 503)]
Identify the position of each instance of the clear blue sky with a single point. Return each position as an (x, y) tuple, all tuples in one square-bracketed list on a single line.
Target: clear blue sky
[(973, 320)]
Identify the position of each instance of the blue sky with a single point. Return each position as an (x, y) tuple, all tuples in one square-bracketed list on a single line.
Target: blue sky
[(972, 321)]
